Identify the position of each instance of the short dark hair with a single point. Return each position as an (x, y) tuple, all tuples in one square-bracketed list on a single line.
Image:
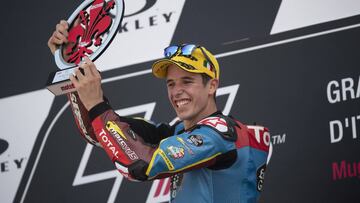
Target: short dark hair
[(205, 79)]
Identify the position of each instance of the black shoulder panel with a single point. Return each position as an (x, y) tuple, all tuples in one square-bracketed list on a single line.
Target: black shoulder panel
[(225, 160)]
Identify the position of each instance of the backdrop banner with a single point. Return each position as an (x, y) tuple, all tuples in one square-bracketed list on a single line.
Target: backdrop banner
[(290, 66)]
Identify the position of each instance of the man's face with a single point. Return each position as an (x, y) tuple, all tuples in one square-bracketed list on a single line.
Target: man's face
[(188, 95)]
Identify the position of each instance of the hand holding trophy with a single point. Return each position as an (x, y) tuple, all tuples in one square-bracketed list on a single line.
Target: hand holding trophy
[(87, 33), (59, 36), (76, 43)]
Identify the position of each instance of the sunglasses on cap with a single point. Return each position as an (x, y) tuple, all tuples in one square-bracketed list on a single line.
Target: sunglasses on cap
[(186, 50)]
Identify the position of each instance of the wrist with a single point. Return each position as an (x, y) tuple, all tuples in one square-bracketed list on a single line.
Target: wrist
[(98, 110), (92, 104)]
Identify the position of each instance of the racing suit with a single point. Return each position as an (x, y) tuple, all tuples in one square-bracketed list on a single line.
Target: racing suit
[(224, 160)]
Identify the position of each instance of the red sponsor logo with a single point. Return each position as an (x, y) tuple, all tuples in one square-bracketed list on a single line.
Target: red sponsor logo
[(67, 87), (108, 143), (342, 170), (256, 136)]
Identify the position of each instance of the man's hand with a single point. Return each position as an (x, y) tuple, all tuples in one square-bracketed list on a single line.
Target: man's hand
[(88, 85), (59, 36)]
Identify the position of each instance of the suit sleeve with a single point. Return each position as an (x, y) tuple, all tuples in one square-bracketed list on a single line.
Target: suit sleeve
[(129, 143), (150, 132), (189, 150), (82, 119), (137, 160)]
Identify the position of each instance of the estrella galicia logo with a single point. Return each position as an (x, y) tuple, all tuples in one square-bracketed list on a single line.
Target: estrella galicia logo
[(260, 176), (3, 146)]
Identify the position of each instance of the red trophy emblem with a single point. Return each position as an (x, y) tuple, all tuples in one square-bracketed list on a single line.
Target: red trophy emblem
[(92, 27)]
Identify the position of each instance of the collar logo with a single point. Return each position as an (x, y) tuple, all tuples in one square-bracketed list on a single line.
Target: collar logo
[(215, 122), (3, 146), (93, 26)]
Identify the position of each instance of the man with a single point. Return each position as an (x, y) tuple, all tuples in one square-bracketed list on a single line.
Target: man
[(210, 157)]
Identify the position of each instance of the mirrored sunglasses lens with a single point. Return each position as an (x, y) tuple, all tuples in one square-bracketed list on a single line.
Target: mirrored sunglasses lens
[(188, 49), (170, 51)]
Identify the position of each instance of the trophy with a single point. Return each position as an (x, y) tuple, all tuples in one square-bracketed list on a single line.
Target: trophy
[(92, 27)]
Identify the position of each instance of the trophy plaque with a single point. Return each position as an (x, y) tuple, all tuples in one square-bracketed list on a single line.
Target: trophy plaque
[(92, 27)]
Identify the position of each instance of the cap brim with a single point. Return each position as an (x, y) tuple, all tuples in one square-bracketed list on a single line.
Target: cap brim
[(159, 68)]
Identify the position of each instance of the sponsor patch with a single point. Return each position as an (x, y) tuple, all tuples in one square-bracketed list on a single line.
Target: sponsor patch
[(167, 160), (175, 152), (260, 176), (195, 140), (80, 121), (115, 131), (175, 184), (185, 145), (131, 133), (108, 144)]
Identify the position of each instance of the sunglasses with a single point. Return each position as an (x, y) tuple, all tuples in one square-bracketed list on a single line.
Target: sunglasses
[(186, 50)]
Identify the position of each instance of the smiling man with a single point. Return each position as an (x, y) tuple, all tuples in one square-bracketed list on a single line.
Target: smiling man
[(192, 77), (190, 97), (210, 157)]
